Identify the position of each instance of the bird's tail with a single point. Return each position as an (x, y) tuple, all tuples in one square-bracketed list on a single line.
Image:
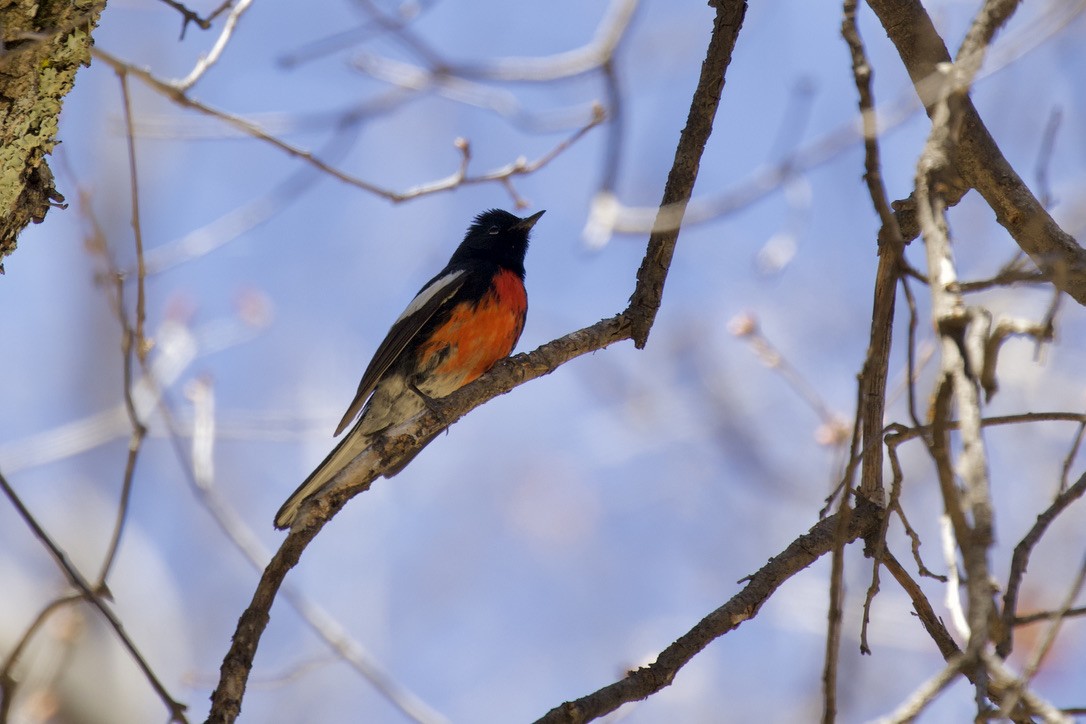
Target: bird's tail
[(346, 451), (348, 448)]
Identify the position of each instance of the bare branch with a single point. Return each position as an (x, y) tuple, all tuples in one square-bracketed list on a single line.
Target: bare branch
[(199, 469), (206, 61), (1049, 638), (356, 477), (926, 693), (384, 453), (176, 708), (684, 170), (191, 16), (1020, 560), (802, 552), (977, 157), (891, 246), (457, 179), (1048, 615)]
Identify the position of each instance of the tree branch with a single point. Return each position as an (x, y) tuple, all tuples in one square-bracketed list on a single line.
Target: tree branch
[(385, 452), (684, 171), (802, 552), (1020, 560), (398, 442), (977, 157), (175, 707)]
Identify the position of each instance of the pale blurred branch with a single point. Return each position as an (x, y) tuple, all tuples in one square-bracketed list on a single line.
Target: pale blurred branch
[(206, 61), (926, 693), (609, 215), (459, 178), (596, 53), (998, 686)]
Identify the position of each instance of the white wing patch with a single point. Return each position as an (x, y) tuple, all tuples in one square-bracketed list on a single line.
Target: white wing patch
[(429, 293)]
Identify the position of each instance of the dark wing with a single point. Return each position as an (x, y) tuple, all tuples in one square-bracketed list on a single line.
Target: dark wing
[(421, 309)]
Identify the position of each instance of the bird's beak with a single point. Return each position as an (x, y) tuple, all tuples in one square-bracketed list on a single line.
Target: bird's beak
[(528, 222)]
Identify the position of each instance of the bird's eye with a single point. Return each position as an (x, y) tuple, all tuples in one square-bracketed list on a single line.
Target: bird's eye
[(492, 230)]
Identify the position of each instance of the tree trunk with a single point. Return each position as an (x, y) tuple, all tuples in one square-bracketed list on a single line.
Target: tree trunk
[(44, 44)]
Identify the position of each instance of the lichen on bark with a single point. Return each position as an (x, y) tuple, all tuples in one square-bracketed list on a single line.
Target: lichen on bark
[(44, 43)]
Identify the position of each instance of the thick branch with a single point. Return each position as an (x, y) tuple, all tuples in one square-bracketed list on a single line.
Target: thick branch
[(684, 171), (976, 156)]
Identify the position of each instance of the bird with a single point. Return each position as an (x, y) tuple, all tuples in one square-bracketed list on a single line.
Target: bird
[(469, 316)]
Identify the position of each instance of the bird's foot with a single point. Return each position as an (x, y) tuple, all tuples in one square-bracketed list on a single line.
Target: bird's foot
[(434, 405)]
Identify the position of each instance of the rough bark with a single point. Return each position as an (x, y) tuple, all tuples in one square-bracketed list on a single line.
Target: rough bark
[(44, 43)]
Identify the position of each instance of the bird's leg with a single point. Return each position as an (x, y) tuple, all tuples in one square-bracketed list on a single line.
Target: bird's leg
[(432, 404)]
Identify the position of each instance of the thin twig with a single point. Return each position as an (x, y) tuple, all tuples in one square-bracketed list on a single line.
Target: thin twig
[(835, 612), (1049, 638), (8, 682), (191, 16), (206, 61), (519, 167), (176, 708), (1020, 560), (135, 441), (911, 433), (746, 327), (1048, 615), (133, 342), (137, 229), (1069, 459)]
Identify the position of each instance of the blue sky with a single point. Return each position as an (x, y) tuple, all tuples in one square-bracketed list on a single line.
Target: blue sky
[(571, 529)]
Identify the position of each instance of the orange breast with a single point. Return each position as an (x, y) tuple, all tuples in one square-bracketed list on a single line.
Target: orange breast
[(476, 336)]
